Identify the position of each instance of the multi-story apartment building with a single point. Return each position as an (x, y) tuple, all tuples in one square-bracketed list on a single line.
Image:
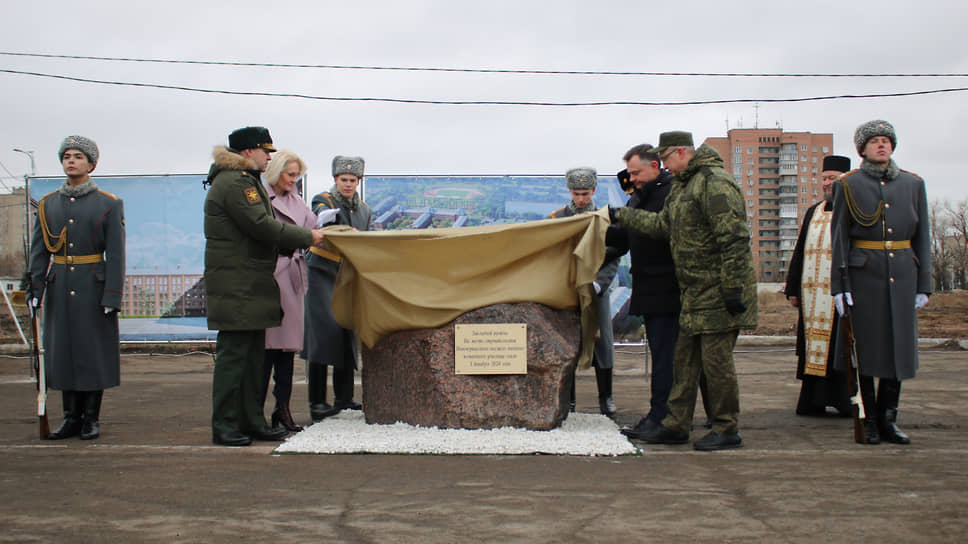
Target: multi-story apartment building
[(161, 294), (779, 174)]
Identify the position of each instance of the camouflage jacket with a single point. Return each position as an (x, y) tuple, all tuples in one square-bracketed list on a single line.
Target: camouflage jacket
[(704, 219)]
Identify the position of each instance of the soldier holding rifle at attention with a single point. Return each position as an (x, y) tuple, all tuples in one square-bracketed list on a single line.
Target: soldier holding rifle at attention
[(77, 261), (882, 269)]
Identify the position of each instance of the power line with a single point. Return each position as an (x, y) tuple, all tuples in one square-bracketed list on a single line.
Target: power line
[(469, 70), (484, 102)]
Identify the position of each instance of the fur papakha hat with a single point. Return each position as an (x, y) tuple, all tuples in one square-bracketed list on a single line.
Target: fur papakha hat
[(82, 144), (348, 165), (581, 178), (868, 130)]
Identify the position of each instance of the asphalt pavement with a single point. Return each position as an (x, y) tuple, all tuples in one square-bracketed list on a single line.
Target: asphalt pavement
[(154, 475)]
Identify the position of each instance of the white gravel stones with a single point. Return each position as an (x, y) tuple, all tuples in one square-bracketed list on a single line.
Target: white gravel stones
[(347, 432)]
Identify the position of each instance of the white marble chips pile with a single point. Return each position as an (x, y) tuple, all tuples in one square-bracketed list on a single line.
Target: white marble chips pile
[(347, 432)]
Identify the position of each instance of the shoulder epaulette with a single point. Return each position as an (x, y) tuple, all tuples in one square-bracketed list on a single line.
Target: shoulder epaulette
[(108, 194), (845, 174), (912, 173), (555, 213), (45, 196)]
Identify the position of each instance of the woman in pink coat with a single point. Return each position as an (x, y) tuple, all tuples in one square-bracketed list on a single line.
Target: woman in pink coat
[(284, 341)]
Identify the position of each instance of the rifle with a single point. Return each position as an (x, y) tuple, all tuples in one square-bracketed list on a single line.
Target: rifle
[(37, 361), (853, 371)]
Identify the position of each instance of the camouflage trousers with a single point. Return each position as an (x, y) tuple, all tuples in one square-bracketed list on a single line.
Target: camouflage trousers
[(711, 354)]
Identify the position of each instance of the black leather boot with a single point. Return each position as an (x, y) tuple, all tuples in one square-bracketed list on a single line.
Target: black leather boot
[(282, 415), (871, 428), (605, 403), (71, 426), (343, 389), (90, 428), (888, 395), (318, 409)]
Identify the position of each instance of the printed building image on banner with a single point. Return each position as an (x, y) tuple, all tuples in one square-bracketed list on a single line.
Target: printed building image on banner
[(417, 202), (164, 297)]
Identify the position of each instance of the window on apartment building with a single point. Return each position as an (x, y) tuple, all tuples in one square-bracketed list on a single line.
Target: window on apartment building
[(803, 200), (749, 181), (737, 149), (815, 170), (749, 161), (803, 189), (749, 150), (826, 150), (749, 203), (814, 149), (813, 160), (803, 147), (737, 171), (749, 172), (749, 192), (803, 179), (803, 168)]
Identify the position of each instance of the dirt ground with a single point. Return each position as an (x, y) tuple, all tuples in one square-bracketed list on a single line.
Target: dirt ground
[(154, 475)]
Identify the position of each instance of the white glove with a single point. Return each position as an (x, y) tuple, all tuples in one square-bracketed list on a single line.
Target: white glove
[(33, 302), (920, 301), (108, 310), (839, 299), (326, 217), (598, 288)]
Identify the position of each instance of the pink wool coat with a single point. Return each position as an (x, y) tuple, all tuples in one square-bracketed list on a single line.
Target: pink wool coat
[(290, 274)]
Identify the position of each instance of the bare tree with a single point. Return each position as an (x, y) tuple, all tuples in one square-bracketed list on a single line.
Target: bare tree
[(958, 238), (942, 257)]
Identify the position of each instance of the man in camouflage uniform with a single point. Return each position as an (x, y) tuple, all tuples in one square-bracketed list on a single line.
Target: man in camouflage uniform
[(705, 222)]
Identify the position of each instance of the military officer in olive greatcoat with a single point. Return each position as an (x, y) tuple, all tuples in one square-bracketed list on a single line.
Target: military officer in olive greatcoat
[(242, 242), (77, 269), (882, 268)]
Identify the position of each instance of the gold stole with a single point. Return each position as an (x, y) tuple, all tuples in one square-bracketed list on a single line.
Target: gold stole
[(816, 301)]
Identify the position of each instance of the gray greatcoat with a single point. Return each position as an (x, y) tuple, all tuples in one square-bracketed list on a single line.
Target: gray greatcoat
[(80, 341), (883, 282), (326, 341), (604, 352)]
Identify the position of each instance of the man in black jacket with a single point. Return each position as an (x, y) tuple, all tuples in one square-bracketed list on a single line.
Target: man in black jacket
[(655, 291)]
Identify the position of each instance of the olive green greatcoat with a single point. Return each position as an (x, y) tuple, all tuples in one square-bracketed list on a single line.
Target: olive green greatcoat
[(704, 219), (242, 241)]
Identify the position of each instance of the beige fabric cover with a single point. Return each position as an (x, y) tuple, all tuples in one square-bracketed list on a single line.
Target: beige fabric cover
[(397, 280)]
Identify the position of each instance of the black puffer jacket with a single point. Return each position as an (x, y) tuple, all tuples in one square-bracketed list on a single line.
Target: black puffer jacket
[(655, 290)]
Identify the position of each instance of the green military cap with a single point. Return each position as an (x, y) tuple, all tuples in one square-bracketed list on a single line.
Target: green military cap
[(676, 138)]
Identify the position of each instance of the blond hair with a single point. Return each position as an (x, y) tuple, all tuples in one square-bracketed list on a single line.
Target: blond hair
[(280, 160)]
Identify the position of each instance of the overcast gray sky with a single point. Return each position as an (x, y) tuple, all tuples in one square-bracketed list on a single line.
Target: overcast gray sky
[(155, 131)]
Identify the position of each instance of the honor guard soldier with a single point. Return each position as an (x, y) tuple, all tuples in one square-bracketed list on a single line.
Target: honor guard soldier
[(882, 268), (77, 269), (582, 183)]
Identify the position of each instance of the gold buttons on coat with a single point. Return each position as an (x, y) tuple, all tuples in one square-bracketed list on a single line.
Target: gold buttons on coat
[(891, 254), (886, 205), (72, 292), (890, 230), (70, 220), (72, 267), (73, 199), (892, 280), (70, 244)]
